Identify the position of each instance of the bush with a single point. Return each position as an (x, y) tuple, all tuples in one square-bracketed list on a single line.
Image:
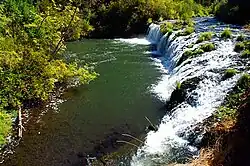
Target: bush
[(226, 34), (186, 32), (230, 73), (207, 47), (239, 47), (205, 37), (166, 27)]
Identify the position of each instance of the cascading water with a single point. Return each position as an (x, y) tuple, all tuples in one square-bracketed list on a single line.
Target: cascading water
[(170, 143)]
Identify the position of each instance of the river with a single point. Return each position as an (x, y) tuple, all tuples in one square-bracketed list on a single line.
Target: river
[(137, 77), (115, 103)]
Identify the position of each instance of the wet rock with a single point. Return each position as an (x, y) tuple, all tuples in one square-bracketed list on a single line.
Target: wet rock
[(179, 95)]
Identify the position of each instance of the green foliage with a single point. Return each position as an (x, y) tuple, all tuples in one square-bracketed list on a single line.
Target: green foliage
[(31, 44), (239, 47), (187, 31), (224, 112), (5, 126), (230, 73), (178, 85), (233, 100), (244, 82), (207, 47), (226, 34), (166, 27), (126, 17), (205, 36)]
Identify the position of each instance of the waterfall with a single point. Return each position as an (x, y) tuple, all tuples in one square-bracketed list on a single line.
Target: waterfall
[(154, 34), (170, 144)]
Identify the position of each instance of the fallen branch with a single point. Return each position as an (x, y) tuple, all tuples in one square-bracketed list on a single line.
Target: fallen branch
[(151, 126), (20, 126)]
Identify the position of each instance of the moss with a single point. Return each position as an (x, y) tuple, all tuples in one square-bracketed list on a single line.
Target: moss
[(205, 37), (230, 73), (226, 34), (239, 47), (207, 47)]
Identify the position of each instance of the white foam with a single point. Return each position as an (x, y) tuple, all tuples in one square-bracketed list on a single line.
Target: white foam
[(166, 144), (139, 41)]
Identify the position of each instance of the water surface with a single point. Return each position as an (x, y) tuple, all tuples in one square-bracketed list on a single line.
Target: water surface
[(116, 102)]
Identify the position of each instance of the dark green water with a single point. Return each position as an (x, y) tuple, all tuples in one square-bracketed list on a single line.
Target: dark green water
[(116, 102)]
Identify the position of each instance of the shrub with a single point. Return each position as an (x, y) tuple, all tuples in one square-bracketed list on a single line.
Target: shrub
[(205, 37), (230, 73), (166, 27), (227, 33), (186, 32), (207, 47), (239, 47)]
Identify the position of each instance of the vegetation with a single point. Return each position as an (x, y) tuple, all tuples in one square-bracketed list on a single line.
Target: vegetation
[(178, 85), (187, 31), (32, 39), (207, 47), (230, 73), (239, 47), (205, 36), (233, 100), (226, 34), (232, 11), (112, 18), (166, 27), (246, 54)]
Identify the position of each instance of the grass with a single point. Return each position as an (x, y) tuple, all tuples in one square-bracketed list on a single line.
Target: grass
[(207, 47), (178, 85), (226, 34), (239, 47), (5, 126), (205, 36)]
